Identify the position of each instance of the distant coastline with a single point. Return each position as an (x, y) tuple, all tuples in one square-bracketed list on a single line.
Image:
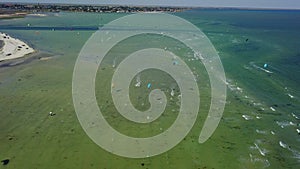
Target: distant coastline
[(10, 10), (47, 7), (12, 14), (39, 8)]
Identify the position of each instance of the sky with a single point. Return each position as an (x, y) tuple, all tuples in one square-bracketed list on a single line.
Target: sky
[(282, 4)]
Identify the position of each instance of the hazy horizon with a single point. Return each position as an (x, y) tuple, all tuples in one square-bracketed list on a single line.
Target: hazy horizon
[(275, 4)]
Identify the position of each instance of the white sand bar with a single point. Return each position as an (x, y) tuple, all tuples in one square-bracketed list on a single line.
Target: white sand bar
[(13, 48)]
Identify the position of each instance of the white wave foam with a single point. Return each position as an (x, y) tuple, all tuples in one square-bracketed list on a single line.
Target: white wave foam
[(239, 89), (296, 117), (247, 117), (284, 124), (247, 67), (260, 68), (265, 162), (291, 96), (257, 104), (258, 117), (261, 151), (261, 131), (296, 154), (233, 87), (283, 145)]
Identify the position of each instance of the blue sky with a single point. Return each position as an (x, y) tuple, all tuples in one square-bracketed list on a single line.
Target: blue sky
[(283, 4)]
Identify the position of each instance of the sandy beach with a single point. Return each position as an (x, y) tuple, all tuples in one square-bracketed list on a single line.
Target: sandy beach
[(9, 15), (13, 48)]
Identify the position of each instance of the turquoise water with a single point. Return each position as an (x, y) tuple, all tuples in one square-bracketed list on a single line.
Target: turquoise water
[(260, 121)]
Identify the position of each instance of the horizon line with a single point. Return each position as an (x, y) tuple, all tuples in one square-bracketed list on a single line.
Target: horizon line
[(170, 6)]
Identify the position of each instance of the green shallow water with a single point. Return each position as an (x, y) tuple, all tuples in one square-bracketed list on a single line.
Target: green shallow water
[(30, 138)]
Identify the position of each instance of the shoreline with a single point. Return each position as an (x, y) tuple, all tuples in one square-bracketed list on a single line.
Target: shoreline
[(32, 57), (13, 48), (7, 15)]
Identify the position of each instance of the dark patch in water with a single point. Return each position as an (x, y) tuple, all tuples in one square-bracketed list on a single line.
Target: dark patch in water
[(246, 47), (5, 161), (24, 60), (11, 137), (236, 127), (228, 148), (1, 44), (52, 114), (293, 59), (213, 23)]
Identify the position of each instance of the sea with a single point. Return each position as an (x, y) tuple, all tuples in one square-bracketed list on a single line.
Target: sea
[(259, 128)]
